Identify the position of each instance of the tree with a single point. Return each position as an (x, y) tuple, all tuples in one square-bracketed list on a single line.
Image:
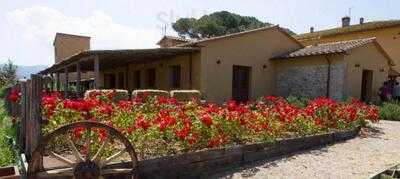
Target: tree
[(186, 26), (217, 24), (8, 73)]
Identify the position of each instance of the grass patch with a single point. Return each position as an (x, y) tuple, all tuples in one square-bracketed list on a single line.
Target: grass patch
[(390, 111)]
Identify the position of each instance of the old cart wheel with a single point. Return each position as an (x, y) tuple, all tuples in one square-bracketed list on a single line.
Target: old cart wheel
[(90, 164)]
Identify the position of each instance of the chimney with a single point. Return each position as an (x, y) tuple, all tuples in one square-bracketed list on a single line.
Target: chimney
[(346, 21), (362, 20), (66, 45), (311, 29)]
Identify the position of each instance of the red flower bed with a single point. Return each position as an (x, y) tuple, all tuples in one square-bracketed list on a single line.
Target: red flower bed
[(163, 126)]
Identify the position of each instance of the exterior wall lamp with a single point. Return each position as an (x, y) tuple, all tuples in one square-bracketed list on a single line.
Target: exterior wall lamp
[(357, 65), (264, 66), (218, 61)]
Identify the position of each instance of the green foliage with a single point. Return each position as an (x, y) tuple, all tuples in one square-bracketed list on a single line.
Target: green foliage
[(8, 74), (7, 138), (390, 111), (217, 24)]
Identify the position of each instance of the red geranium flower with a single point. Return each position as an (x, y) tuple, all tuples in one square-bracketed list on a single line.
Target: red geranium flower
[(142, 123), (270, 98), (231, 105), (207, 120)]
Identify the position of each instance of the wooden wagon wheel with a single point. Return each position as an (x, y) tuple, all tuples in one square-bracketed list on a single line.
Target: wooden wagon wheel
[(88, 165)]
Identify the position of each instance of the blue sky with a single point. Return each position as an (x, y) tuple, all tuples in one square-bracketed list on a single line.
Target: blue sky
[(27, 27)]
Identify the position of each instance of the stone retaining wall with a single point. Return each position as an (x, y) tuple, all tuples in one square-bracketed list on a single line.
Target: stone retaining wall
[(200, 164)]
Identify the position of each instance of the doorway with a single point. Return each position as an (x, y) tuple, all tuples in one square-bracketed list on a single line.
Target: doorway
[(366, 85), (241, 83)]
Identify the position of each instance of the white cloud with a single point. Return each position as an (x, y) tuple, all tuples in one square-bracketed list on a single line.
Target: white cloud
[(34, 29)]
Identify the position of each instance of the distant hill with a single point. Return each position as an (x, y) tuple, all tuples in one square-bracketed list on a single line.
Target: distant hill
[(26, 71)]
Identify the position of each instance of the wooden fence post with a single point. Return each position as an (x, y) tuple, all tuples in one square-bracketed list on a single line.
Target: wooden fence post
[(23, 110), (34, 124), (28, 118)]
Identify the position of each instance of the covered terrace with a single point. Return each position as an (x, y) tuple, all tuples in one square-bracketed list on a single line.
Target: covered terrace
[(97, 61)]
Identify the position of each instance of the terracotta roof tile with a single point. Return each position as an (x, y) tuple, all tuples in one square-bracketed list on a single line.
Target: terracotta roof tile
[(183, 40), (327, 48), (195, 42)]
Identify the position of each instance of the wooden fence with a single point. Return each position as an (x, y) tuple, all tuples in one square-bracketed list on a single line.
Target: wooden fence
[(28, 111)]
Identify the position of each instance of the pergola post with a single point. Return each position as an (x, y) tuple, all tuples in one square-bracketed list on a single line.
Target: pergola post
[(96, 72), (66, 82), (58, 81), (78, 79), (52, 82)]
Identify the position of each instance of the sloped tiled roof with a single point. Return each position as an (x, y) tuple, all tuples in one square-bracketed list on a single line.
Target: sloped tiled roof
[(352, 28), (183, 40), (328, 48)]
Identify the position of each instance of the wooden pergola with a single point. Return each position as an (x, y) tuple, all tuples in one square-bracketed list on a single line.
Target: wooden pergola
[(99, 60)]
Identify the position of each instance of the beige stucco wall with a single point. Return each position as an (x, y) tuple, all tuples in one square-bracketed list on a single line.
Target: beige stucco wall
[(388, 38), (251, 49), (67, 45), (368, 57), (163, 75)]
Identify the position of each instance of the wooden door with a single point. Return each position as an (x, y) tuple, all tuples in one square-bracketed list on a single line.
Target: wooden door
[(366, 85), (241, 83)]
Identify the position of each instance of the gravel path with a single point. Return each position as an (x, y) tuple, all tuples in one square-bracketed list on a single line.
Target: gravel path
[(376, 149)]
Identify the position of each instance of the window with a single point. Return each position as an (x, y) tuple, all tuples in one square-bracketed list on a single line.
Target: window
[(151, 78), (175, 76), (137, 79)]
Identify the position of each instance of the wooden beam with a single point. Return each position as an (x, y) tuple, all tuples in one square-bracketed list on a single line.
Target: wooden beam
[(66, 80), (78, 79), (96, 72)]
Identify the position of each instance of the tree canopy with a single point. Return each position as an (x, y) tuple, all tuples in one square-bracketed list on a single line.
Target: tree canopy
[(217, 24)]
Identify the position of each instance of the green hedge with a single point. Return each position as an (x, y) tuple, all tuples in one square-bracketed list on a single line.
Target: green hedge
[(390, 111)]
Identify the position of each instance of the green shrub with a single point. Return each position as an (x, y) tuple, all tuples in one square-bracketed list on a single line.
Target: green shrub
[(390, 111), (7, 137)]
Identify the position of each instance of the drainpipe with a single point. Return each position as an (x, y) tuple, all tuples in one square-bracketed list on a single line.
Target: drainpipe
[(328, 81)]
